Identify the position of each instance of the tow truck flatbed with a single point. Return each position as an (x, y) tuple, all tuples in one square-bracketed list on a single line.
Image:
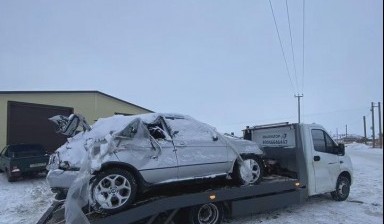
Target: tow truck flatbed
[(272, 193)]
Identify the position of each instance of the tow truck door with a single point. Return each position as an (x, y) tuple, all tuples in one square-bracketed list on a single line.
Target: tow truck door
[(325, 161)]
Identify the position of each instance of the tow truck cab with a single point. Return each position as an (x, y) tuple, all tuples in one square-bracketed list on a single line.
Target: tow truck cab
[(306, 152)]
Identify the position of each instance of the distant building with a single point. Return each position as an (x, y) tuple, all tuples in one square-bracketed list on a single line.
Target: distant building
[(351, 139), (24, 114)]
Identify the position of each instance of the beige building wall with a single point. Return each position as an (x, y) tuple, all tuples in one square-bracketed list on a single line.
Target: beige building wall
[(91, 104)]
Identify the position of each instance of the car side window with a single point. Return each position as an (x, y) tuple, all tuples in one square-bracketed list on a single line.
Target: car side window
[(322, 142), (186, 129), (4, 152), (131, 129)]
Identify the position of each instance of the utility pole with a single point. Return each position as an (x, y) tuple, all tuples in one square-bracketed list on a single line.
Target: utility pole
[(380, 133), (346, 130), (298, 104), (365, 130), (373, 124)]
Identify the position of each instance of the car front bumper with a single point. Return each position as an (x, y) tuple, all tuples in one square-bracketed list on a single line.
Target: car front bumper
[(58, 178)]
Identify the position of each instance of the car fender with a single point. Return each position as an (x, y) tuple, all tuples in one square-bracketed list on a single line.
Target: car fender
[(142, 184)]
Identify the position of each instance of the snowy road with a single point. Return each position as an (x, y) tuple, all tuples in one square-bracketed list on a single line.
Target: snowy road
[(25, 201)]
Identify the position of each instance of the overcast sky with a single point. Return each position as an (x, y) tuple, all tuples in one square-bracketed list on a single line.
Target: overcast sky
[(218, 61)]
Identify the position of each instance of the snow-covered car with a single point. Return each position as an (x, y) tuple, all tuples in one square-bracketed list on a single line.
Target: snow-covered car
[(128, 154)]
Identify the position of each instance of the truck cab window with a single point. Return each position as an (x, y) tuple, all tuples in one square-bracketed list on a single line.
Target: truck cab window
[(322, 142), (331, 146), (318, 140)]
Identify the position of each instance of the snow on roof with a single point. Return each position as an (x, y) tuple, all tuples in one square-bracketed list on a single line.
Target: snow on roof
[(100, 129)]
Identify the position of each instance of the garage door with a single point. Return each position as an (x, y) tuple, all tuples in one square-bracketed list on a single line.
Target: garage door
[(28, 123)]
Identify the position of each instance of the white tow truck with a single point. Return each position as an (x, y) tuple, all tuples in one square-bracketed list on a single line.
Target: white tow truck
[(300, 160)]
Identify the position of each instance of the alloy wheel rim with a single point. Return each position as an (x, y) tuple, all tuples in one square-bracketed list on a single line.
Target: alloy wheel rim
[(112, 191), (250, 165)]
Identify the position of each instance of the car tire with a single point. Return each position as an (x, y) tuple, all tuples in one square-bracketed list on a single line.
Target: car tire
[(10, 178), (341, 192), (210, 213), (241, 168), (113, 191)]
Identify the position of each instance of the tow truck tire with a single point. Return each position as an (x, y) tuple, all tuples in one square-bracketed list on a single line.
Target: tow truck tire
[(252, 162), (342, 189), (113, 191), (211, 213)]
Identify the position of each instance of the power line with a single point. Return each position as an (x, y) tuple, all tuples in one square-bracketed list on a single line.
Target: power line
[(335, 111), (281, 46), (293, 52)]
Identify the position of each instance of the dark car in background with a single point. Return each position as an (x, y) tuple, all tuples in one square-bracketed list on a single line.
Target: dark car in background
[(23, 159)]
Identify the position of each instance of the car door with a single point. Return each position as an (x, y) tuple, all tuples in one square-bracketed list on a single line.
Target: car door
[(199, 151), (325, 162), (155, 159)]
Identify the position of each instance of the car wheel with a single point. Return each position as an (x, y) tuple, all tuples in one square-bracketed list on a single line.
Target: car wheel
[(343, 186), (113, 191), (251, 165), (9, 176), (211, 213)]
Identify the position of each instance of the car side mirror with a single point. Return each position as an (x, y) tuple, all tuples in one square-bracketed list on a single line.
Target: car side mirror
[(341, 149)]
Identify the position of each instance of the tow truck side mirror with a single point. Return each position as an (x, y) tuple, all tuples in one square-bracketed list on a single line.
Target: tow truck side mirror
[(341, 149)]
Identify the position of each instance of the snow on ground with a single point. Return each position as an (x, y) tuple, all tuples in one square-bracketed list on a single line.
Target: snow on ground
[(25, 201)]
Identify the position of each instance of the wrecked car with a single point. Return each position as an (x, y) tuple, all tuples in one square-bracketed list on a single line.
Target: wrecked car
[(126, 155)]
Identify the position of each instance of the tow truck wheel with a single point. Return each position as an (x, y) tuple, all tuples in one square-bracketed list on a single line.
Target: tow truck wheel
[(342, 189), (113, 191), (248, 171), (211, 213)]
